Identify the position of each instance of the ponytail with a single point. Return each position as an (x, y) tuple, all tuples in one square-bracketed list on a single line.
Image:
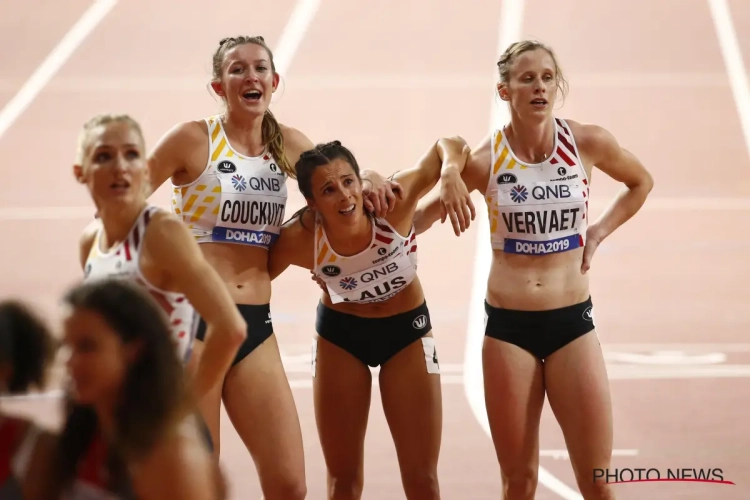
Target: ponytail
[(273, 137)]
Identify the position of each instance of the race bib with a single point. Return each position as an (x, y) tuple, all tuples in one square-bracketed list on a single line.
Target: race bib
[(249, 213)]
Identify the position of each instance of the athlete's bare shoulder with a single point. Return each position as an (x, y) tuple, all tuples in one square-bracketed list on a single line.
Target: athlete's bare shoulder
[(594, 142), (182, 149), (166, 226), (295, 143), (178, 464), (86, 240)]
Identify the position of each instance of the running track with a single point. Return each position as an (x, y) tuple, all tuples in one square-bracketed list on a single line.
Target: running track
[(388, 81)]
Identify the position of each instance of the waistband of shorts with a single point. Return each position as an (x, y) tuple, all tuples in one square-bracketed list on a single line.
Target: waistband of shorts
[(324, 309), (490, 309)]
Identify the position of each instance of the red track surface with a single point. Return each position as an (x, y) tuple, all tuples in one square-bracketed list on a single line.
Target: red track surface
[(387, 81)]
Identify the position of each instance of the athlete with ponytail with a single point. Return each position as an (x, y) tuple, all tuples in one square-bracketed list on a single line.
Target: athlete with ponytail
[(228, 174)]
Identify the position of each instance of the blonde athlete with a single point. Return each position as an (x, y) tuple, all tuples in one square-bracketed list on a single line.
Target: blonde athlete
[(535, 174), (228, 174), (141, 243)]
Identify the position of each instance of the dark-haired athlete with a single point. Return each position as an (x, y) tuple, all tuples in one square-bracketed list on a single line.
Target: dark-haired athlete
[(26, 354), (373, 314)]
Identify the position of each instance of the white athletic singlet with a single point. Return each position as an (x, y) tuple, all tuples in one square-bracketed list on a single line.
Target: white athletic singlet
[(237, 199), (373, 275), (538, 209), (123, 261)]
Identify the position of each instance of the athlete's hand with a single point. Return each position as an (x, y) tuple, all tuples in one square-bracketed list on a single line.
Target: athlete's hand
[(380, 194), (455, 201), (592, 243)]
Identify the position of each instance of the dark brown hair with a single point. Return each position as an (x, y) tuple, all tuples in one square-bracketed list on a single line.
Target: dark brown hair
[(154, 395), (26, 344), (272, 136), (321, 154)]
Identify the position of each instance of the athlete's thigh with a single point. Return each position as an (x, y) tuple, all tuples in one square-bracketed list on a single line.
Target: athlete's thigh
[(514, 396), (259, 402), (412, 402), (578, 392), (342, 386)]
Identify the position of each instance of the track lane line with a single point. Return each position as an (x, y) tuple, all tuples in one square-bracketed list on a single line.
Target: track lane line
[(294, 32), (732, 54), (53, 62)]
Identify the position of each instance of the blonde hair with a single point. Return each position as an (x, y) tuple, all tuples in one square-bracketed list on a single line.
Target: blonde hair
[(515, 49), (104, 120), (99, 121), (271, 131)]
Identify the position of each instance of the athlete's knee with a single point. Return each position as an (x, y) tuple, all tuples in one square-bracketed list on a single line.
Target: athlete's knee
[(519, 483), (285, 488), (593, 488), (421, 485), (598, 490), (345, 486)]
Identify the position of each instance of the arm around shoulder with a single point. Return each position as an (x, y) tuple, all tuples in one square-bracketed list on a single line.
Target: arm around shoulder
[(294, 247), (295, 143), (474, 174)]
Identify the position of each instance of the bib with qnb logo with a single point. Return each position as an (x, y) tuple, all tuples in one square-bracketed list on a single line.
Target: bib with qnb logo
[(373, 275), (237, 199), (542, 208)]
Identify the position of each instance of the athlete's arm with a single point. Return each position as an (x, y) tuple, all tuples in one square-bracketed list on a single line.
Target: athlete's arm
[(381, 194), (86, 241), (180, 468), (294, 247), (601, 148), (171, 246), (420, 179), (475, 175), (173, 152), (295, 143)]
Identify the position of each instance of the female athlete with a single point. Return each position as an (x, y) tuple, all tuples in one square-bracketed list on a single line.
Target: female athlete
[(373, 314), (129, 388), (26, 354), (133, 240), (228, 174), (535, 174)]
